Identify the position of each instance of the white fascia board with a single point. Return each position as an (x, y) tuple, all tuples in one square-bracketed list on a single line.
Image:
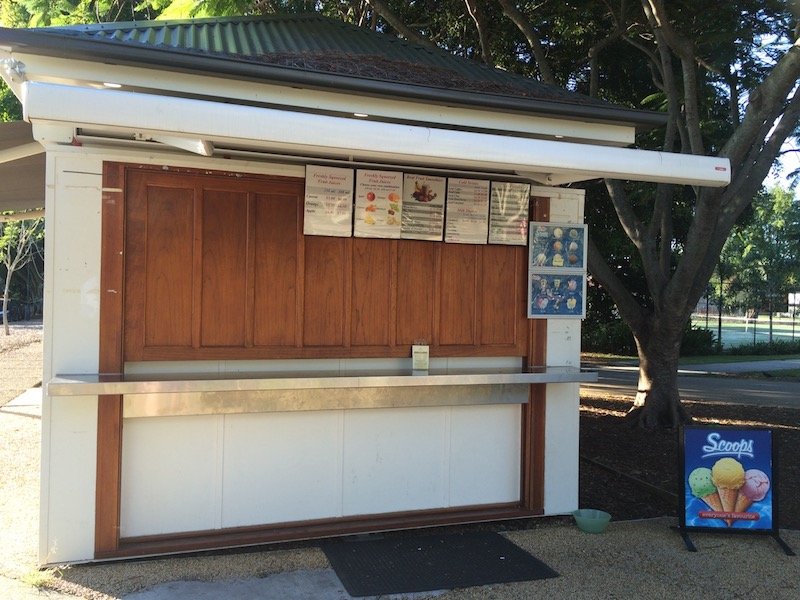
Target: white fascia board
[(322, 135), (88, 74)]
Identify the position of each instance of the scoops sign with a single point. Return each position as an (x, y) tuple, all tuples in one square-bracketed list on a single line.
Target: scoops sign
[(728, 479)]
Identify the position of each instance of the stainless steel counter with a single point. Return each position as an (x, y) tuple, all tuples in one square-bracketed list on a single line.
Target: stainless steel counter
[(192, 394), (98, 384)]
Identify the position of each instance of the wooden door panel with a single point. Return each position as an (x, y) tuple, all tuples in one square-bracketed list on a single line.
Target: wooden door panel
[(217, 267), (459, 295), (277, 231), (416, 278), (500, 308), (224, 268), (371, 319), (325, 290)]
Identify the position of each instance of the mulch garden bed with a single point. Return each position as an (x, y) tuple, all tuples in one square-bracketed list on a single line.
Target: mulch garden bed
[(633, 473)]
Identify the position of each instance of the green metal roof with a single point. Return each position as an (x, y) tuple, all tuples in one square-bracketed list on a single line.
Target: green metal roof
[(316, 51)]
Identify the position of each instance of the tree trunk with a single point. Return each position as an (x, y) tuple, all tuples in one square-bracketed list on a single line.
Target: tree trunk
[(5, 301), (658, 403)]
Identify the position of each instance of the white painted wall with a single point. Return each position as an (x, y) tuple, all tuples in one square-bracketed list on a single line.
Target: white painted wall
[(563, 399), (71, 295), (207, 472)]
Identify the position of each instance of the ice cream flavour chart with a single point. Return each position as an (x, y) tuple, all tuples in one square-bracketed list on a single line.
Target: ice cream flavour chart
[(728, 482)]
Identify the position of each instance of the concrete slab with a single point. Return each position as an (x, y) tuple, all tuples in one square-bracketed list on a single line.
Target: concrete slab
[(294, 585), (29, 398)]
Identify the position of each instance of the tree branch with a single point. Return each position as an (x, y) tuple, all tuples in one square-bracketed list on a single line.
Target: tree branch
[(383, 10), (628, 308), (759, 161), (534, 41), (766, 104), (684, 49), (480, 23), (633, 227)]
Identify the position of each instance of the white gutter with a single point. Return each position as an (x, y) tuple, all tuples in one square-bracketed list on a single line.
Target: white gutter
[(329, 136)]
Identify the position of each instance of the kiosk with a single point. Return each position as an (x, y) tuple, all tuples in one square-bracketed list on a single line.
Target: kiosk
[(245, 239)]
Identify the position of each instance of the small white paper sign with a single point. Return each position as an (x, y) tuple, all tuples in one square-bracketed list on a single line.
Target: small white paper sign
[(508, 218), (467, 211), (328, 201), (379, 204)]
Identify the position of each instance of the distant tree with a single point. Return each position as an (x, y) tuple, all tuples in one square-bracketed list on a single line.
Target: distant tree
[(19, 241), (10, 108), (764, 253)]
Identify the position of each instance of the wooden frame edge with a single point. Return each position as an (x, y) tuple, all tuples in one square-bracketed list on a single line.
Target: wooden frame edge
[(109, 408), (307, 530)]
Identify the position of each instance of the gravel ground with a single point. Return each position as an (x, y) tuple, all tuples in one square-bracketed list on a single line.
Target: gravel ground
[(633, 559), (20, 359)]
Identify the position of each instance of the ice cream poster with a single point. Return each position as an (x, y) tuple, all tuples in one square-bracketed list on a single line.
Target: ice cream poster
[(728, 479), (556, 295), (379, 204), (559, 245)]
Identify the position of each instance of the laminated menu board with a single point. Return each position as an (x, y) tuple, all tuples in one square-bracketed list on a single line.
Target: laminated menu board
[(467, 211), (559, 294), (328, 201), (423, 207), (379, 203), (508, 216), (558, 245)]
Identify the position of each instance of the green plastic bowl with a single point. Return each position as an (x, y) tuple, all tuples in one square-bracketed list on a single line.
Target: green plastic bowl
[(591, 520)]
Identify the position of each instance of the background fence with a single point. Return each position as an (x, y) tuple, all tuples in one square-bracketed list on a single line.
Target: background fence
[(748, 331)]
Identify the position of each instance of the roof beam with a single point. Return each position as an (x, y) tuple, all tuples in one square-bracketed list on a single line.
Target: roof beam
[(22, 151)]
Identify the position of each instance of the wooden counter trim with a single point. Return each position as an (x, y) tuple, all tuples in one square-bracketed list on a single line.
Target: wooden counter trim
[(305, 530), (109, 408), (533, 413)]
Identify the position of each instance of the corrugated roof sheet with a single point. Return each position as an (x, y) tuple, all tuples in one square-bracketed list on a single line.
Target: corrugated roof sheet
[(319, 44)]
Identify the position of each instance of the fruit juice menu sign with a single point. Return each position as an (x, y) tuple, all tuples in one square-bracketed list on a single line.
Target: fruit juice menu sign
[(467, 211), (379, 204), (328, 201), (728, 479), (508, 217), (423, 208)]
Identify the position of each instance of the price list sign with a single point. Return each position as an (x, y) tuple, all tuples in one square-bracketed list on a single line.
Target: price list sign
[(423, 207), (328, 201), (379, 204), (508, 217), (467, 211)]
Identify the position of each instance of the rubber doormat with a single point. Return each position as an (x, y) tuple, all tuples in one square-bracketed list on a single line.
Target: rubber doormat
[(406, 564)]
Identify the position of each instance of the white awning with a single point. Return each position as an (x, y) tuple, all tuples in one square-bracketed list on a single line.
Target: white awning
[(21, 168), (209, 128)]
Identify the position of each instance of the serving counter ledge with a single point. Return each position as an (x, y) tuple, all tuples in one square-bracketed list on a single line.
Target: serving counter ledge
[(115, 384), (236, 393)]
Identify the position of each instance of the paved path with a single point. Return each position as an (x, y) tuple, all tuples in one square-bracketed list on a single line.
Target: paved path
[(715, 385)]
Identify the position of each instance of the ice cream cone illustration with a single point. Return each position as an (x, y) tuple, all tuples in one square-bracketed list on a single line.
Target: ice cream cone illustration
[(713, 501), (728, 475), (703, 487), (754, 489)]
